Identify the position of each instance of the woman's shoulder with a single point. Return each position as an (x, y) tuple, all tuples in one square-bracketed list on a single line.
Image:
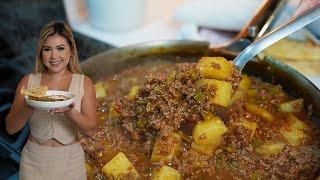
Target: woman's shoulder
[(88, 85), (87, 81), (24, 80), (83, 79)]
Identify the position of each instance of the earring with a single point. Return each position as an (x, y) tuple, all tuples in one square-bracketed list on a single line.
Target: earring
[(42, 67), (72, 61)]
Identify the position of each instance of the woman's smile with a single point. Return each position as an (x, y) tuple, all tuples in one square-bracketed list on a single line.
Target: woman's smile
[(55, 62), (56, 53)]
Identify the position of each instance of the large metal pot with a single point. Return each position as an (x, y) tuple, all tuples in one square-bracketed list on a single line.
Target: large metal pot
[(268, 69)]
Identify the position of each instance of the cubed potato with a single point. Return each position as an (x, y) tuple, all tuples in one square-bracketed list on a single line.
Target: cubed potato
[(245, 83), (166, 173), (237, 96), (199, 96), (293, 131), (294, 122), (209, 131), (119, 167), (172, 75), (252, 93), (293, 136), (100, 91), (90, 175), (215, 68), (247, 124), (133, 92), (255, 109), (243, 87), (291, 106), (219, 92), (112, 112), (223, 93), (165, 148), (270, 148), (203, 149)]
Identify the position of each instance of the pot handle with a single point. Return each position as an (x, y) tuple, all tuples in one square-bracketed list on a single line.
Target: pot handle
[(258, 25)]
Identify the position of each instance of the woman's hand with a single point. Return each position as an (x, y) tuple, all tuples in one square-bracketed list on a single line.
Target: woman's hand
[(65, 110), (29, 108), (20, 111)]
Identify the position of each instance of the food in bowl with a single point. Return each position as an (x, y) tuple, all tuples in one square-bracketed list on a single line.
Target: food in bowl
[(53, 99), (200, 121), (39, 94), (36, 92), (49, 98)]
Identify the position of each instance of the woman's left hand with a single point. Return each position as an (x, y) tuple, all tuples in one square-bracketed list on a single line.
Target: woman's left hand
[(62, 110)]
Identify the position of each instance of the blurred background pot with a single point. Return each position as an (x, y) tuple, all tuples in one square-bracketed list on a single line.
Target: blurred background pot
[(116, 15)]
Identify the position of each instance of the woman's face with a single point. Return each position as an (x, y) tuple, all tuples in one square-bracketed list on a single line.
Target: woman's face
[(56, 53)]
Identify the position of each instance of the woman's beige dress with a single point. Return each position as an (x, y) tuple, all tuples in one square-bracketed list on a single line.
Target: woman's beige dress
[(46, 163)]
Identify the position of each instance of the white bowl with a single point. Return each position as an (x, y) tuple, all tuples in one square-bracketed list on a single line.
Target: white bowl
[(48, 105)]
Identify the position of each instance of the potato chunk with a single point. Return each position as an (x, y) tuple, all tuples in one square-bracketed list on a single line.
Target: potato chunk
[(209, 131), (89, 170), (215, 68), (243, 87), (255, 109), (166, 173), (252, 126), (119, 167), (100, 90), (293, 132), (293, 136), (245, 83), (133, 92), (270, 148), (165, 148), (294, 122), (112, 111), (219, 92), (203, 149), (291, 106)]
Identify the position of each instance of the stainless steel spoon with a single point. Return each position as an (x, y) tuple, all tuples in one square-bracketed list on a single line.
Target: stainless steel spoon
[(265, 41)]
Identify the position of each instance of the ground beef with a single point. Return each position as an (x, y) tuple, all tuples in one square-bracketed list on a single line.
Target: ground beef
[(165, 102)]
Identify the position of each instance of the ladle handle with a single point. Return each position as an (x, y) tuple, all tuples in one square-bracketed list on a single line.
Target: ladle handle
[(265, 41)]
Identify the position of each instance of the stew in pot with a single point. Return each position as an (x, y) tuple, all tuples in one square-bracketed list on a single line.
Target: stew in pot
[(201, 120)]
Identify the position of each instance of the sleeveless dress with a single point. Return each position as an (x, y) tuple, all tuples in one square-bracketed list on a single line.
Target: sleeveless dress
[(50, 163)]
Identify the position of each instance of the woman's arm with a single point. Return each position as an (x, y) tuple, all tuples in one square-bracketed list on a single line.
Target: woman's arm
[(20, 111), (87, 120)]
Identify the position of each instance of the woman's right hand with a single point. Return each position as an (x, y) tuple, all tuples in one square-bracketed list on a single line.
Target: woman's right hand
[(20, 111), (28, 107)]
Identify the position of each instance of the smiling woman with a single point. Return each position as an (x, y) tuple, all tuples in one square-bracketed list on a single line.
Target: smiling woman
[(57, 42), (56, 46), (57, 67)]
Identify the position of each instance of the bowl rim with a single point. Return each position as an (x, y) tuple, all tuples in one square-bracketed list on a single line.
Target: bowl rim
[(47, 105)]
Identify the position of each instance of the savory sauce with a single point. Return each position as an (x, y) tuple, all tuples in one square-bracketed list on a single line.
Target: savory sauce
[(168, 114)]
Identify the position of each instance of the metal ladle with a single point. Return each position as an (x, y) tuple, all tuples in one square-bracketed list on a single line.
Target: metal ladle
[(265, 41)]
